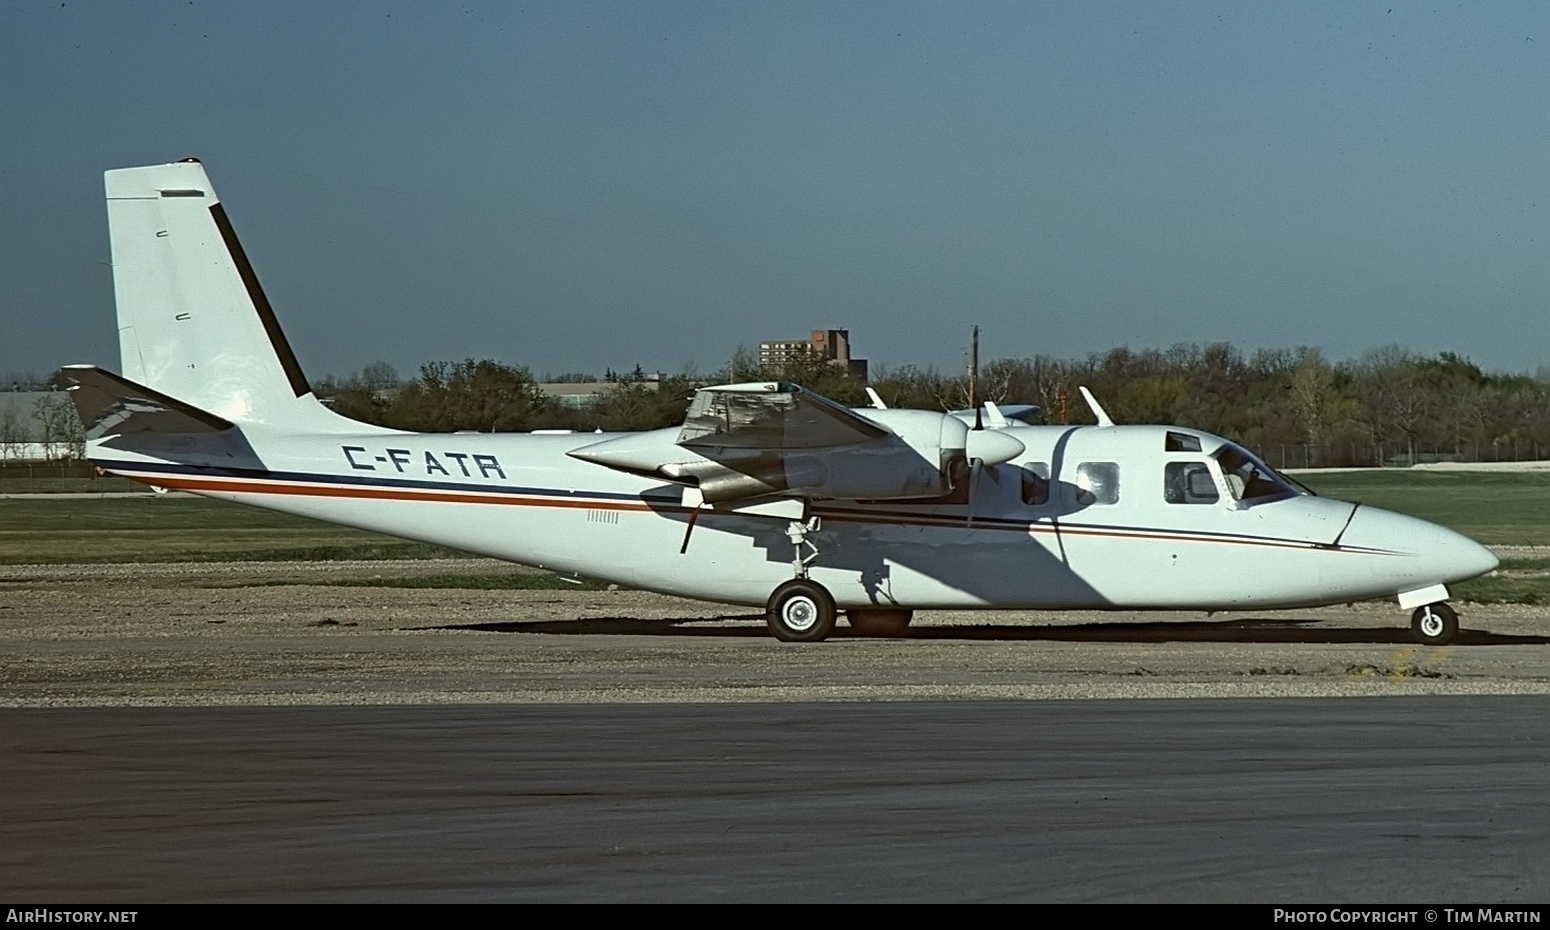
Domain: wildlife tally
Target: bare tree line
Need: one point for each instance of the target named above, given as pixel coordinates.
(50, 427)
(1388, 406)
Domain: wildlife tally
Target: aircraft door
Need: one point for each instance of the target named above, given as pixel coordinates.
(1029, 504)
(994, 493)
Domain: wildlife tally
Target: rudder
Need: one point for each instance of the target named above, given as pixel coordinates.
(193, 321)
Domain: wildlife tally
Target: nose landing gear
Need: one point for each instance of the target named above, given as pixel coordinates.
(1434, 624)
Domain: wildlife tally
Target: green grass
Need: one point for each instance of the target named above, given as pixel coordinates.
(1493, 589)
(1515, 581)
(1526, 566)
(181, 529)
(496, 581)
(1495, 508)
(60, 478)
(49, 484)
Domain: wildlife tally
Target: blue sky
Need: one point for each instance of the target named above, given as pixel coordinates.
(576, 186)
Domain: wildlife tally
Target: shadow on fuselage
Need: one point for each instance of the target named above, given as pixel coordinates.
(1246, 630)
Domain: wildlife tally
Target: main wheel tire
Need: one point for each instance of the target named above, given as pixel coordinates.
(801, 611)
(879, 621)
(1434, 624)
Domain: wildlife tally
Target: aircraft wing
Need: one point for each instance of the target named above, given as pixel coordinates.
(112, 405)
(771, 416)
(743, 441)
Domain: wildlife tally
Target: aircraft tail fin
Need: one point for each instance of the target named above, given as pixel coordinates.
(194, 326)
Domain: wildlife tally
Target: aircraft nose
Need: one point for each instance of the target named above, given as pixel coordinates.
(1442, 555)
(1474, 558)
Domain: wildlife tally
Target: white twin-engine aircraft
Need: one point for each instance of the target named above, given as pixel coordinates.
(768, 495)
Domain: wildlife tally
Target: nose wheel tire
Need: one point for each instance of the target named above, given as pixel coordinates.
(1434, 624)
(879, 621)
(801, 611)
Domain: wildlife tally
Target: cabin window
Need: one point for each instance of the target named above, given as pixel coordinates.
(1189, 483)
(1035, 483)
(1097, 483)
(1181, 442)
(1248, 478)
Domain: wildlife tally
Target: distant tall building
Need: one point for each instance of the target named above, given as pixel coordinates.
(831, 345)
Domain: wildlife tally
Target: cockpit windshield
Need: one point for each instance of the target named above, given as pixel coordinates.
(1248, 478)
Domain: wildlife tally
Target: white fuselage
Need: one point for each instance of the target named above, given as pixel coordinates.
(1108, 529)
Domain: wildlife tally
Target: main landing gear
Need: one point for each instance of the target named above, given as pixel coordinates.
(802, 610)
(1434, 624)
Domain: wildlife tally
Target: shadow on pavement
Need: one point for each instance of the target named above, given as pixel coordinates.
(1240, 630)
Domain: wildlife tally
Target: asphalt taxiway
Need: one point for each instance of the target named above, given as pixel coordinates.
(262, 733)
(1399, 800)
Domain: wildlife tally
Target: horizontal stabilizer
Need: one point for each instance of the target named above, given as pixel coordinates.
(112, 405)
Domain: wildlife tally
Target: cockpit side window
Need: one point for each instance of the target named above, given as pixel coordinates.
(1035, 483)
(1189, 483)
(1097, 483)
(1249, 479)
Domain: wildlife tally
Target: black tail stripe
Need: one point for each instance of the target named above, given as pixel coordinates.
(282, 348)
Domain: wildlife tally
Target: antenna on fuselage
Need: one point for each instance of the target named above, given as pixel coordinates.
(1097, 408)
(974, 377)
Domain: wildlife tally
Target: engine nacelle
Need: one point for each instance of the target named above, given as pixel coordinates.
(882, 468)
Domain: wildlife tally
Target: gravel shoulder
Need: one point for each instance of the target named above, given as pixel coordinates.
(287, 633)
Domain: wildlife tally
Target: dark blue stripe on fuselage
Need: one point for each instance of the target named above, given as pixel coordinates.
(260, 474)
